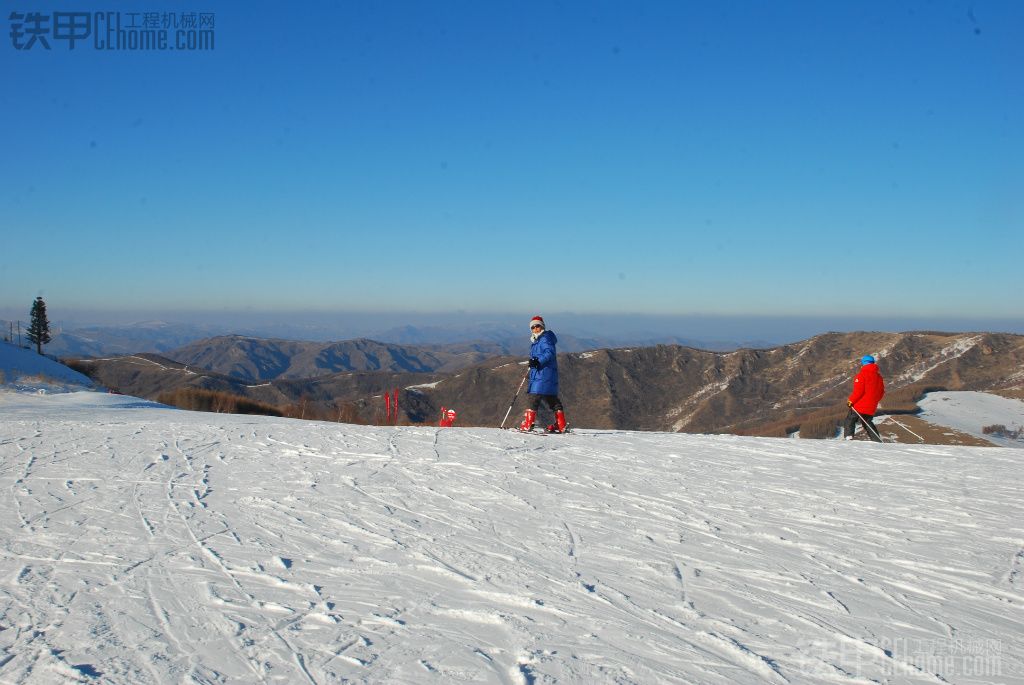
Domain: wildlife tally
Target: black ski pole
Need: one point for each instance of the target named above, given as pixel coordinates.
(867, 426)
(514, 398)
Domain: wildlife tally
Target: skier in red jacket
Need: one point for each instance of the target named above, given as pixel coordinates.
(868, 390)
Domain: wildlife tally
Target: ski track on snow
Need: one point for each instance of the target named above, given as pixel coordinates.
(148, 545)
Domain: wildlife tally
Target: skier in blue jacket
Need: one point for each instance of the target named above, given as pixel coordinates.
(543, 377)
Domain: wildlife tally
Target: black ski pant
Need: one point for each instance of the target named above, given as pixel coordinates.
(533, 401)
(850, 423)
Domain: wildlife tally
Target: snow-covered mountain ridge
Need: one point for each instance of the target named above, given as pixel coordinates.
(141, 544)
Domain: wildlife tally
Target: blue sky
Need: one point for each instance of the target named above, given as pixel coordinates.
(859, 159)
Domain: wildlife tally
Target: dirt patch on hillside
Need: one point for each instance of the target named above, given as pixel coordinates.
(1009, 393)
(911, 430)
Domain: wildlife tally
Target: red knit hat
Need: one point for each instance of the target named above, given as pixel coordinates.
(535, 321)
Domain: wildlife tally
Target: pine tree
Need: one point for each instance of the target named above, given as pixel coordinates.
(39, 325)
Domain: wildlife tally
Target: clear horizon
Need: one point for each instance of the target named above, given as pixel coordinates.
(840, 161)
(344, 325)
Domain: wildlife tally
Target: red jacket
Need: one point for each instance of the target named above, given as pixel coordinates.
(868, 389)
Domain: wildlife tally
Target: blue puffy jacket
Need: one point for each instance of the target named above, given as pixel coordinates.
(544, 380)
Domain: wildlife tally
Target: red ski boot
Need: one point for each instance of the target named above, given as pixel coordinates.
(528, 418)
(559, 425)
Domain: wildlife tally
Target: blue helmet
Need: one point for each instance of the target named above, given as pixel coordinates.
(867, 359)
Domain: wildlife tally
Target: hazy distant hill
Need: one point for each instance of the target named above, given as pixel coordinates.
(259, 359)
(518, 341)
(493, 338)
(148, 336)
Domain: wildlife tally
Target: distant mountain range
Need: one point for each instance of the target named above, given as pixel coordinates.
(259, 359)
(162, 336)
(145, 336)
(661, 388)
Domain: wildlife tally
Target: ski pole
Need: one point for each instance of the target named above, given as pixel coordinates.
(866, 424)
(514, 398)
(904, 427)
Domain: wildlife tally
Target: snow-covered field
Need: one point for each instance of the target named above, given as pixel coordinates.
(141, 544)
(969, 412)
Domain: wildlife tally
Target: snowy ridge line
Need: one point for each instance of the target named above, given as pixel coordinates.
(887, 350)
(134, 359)
(826, 386)
(423, 385)
(804, 349)
(945, 355)
(709, 390)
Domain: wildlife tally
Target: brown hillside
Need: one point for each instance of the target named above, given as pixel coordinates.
(771, 392)
(677, 388)
(150, 376)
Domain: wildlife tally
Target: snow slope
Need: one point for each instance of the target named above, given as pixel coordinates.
(142, 544)
(969, 412)
(24, 369)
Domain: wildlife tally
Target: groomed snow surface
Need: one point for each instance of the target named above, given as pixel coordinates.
(141, 544)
